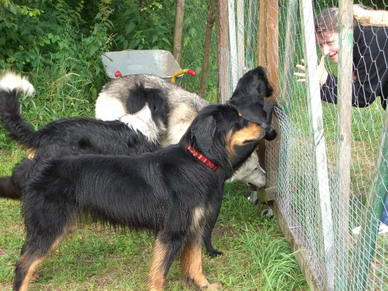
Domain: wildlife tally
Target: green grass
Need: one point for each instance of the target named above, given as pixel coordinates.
(95, 257)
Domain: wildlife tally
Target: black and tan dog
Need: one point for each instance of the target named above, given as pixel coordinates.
(250, 98)
(173, 191)
(147, 123)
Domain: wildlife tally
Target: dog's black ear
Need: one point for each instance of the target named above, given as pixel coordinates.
(269, 105)
(203, 133)
(136, 99)
(252, 111)
(249, 95)
(265, 88)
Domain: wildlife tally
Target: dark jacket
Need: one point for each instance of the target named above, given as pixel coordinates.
(370, 64)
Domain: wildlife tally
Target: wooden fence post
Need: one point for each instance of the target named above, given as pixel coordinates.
(180, 10)
(345, 72)
(212, 8)
(223, 52)
(232, 44)
(240, 38)
(267, 56)
(273, 44)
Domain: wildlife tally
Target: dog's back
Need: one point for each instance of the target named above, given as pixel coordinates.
(135, 192)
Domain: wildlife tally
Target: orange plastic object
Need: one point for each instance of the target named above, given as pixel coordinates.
(181, 72)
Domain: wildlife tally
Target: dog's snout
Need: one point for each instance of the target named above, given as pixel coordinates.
(270, 134)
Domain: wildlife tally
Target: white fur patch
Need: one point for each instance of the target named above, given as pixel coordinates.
(142, 121)
(11, 81)
(109, 108)
(250, 172)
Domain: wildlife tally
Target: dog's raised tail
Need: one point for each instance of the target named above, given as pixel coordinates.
(11, 85)
(11, 81)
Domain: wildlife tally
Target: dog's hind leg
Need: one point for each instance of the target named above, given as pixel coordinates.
(8, 189)
(33, 253)
(45, 229)
(24, 270)
(191, 264)
(165, 250)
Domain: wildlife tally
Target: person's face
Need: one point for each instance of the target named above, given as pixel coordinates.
(329, 44)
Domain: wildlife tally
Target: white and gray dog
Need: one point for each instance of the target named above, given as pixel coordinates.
(114, 103)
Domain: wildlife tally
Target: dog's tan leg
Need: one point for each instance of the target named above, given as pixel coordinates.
(156, 276)
(29, 264)
(191, 264)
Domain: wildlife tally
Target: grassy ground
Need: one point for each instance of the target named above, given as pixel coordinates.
(94, 257)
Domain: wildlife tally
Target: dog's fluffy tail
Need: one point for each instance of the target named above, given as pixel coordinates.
(11, 85)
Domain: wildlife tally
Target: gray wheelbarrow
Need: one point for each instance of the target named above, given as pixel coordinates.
(157, 62)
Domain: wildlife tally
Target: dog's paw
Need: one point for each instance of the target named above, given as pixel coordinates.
(214, 253)
(213, 286)
(267, 212)
(253, 198)
(34, 277)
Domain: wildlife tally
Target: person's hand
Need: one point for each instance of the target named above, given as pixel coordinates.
(321, 71)
(301, 74)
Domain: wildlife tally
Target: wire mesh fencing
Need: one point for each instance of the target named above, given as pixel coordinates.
(333, 225)
(340, 244)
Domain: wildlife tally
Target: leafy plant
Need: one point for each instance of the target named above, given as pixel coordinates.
(143, 24)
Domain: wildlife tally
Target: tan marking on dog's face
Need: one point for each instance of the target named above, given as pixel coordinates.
(156, 276)
(238, 138)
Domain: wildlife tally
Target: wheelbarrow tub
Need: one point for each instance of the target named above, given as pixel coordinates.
(157, 62)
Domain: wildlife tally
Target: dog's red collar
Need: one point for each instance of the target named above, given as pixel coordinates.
(202, 158)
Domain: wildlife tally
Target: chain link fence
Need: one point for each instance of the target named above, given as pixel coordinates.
(340, 244)
(333, 225)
